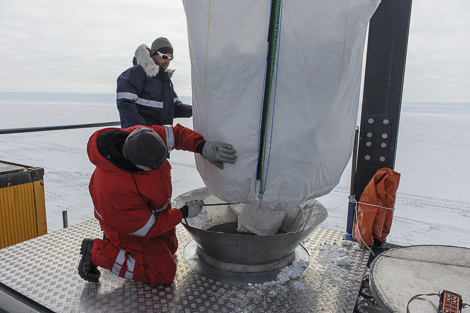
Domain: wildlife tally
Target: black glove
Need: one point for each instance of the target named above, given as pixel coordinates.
(188, 111)
(182, 110)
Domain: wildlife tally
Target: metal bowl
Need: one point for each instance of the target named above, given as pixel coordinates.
(244, 252)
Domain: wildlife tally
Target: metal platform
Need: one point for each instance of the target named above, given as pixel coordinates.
(44, 269)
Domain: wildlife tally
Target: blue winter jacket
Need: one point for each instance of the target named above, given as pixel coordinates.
(145, 94)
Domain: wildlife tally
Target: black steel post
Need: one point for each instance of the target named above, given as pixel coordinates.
(381, 103)
(383, 87)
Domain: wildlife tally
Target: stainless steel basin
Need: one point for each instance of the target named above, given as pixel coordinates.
(242, 252)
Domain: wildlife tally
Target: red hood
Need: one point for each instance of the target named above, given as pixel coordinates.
(94, 155)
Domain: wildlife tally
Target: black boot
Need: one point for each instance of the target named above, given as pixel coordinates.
(86, 269)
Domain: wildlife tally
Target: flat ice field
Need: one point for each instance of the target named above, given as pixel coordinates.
(433, 199)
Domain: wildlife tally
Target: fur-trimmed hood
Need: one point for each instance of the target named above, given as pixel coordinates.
(142, 58)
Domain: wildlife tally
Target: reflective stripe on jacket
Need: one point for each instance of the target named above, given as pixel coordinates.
(145, 94)
(130, 203)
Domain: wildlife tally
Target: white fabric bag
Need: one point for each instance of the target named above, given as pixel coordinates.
(314, 104)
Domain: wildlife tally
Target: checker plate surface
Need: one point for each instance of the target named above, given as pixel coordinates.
(45, 270)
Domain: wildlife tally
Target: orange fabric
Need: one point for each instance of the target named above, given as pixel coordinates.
(375, 222)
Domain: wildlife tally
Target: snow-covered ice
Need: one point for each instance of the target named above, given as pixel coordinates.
(432, 205)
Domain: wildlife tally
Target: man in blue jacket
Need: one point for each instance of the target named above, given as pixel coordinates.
(145, 94)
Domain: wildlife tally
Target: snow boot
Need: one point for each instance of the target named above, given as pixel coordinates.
(87, 269)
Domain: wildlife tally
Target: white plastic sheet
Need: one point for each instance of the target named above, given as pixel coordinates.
(314, 104)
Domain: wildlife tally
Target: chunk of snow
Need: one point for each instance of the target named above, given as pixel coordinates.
(343, 261)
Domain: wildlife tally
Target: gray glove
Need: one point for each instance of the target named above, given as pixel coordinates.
(194, 208)
(218, 153)
(191, 209)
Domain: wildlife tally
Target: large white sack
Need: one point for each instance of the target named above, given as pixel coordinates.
(314, 102)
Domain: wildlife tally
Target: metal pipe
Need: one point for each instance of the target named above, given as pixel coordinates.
(351, 206)
(46, 128)
(65, 220)
(217, 204)
(354, 162)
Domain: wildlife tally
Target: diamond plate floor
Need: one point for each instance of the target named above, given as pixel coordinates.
(44, 269)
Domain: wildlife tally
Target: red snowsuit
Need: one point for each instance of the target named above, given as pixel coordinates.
(134, 206)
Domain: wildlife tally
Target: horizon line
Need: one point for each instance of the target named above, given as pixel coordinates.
(102, 94)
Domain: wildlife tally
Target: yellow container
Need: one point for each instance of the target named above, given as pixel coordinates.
(22, 203)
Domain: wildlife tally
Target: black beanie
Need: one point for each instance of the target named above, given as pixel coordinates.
(145, 147)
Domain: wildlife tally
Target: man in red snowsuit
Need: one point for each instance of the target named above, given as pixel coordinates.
(131, 192)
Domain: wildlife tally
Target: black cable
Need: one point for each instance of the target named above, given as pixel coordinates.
(138, 191)
(429, 294)
(417, 296)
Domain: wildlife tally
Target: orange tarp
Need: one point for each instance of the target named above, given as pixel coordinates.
(373, 221)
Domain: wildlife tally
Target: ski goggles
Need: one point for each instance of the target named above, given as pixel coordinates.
(164, 56)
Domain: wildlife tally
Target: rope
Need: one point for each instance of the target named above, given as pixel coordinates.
(359, 231)
(352, 199)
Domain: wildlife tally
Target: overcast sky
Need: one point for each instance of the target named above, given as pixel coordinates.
(82, 46)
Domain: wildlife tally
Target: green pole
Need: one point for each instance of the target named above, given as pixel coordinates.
(273, 34)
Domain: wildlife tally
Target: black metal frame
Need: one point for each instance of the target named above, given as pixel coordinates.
(383, 88)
